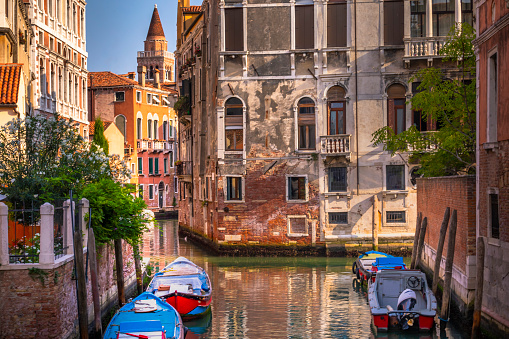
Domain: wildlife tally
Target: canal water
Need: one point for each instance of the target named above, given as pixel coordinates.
(274, 297)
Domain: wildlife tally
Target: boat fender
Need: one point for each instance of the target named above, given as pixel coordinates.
(389, 308)
(354, 267)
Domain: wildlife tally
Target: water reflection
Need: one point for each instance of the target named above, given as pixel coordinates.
(273, 297)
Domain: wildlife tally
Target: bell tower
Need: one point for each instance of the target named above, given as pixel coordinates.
(155, 55)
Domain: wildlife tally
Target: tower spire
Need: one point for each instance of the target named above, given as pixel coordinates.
(155, 30)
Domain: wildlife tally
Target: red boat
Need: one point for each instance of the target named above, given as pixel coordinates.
(185, 286)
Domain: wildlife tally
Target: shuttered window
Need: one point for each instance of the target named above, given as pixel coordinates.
(396, 108)
(233, 29)
(336, 25)
(304, 27)
(393, 22)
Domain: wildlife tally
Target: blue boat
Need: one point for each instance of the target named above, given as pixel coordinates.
(146, 317)
(362, 267)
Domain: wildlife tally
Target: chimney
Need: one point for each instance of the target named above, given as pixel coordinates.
(142, 70)
(157, 83)
(131, 75)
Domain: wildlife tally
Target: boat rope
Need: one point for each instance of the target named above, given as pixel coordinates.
(141, 336)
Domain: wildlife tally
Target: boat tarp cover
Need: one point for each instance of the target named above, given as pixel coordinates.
(391, 261)
(145, 326)
(374, 255)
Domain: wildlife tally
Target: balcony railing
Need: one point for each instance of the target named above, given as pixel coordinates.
(168, 146)
(426, 144)
(148, 54)
(184, 168)
(424, 47)
(157, 146)
(335, 144)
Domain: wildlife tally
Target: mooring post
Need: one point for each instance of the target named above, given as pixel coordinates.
(80, 284)
(440, 249)
(119, 262)
(94, 282)
(420, 246)
(137, 266)
(416, 239)
(4, 234)
(446, 296)
(479, 282)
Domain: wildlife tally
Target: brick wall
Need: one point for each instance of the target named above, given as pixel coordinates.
(434, 195)
(30, 308)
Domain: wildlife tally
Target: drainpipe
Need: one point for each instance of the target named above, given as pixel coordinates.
(356, 94)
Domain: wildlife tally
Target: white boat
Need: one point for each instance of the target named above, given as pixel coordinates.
(401, 300)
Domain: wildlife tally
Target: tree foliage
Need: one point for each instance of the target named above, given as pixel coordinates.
(99, 139)
(116, 211)
(448, 102)
(42, 159)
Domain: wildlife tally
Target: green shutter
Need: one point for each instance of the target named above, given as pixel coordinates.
(140, 165)
(150, 166)
(156, 165)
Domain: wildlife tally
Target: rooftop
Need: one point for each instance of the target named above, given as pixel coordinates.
(10, 75)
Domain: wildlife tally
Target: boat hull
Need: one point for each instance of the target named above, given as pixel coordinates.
(189, 307)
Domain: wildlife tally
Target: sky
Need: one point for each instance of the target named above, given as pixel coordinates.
(116, 30)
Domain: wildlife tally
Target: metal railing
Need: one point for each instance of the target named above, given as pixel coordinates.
(184, 168)
(148, 54)
(335, 144)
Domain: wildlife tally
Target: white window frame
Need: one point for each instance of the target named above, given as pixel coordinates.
(142, 189)
(138, 96)
(171, 160)
(492, 98)
(289, 228)
(115, 99)
(155, 98)
(405, 174)
(242, 185)
(491, 240)
(307, 188)
(176, 185)
(390, 224)
(166, 102)
(149, 98)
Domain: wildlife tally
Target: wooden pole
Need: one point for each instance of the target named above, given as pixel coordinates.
(375, 223)
(479, 282)
(446, 296)
(137, 266)
(94, 282)
(80, 284)
(416, 239)
(420, 245)
(440, 249)
(119, 262)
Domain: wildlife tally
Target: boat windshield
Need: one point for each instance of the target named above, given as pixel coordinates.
(185, 284)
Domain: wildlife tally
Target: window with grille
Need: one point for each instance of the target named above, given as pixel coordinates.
(340, 218)
(306, 121)
(395, 175)
(297, 225)
(396, 216)
(297, 188)
(337, 179)
(233, 188)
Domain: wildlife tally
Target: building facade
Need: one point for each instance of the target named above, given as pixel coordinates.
(59, 59)
(143, 112)
(492, 156)
(15, 75)
(282, 152)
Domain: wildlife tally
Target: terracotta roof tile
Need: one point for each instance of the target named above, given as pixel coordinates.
(155, 30)
(191, 9)
(92, 126)
(108, 79)
(9, 83)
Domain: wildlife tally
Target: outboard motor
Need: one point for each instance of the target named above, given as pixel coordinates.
(406, 302)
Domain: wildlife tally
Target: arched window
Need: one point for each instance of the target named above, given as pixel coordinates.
(120, 123)
(306, 120)
(165, 130)
(234, 125)
(396, 108)
(60, 83)
(139, 133)
(42, 85)
(149, 128)
(52, 82)
(156, 125)
(336, 106)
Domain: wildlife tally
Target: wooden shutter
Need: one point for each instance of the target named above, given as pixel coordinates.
(393, 22)
(304, 27)
(234, 29)
(391, 116)
(336, 25)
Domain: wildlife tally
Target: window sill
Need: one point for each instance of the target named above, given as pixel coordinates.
(338, 194)
(306, 151)
(393, 47)
(141, 174)
(296, 201)
(298, 235)
(234, 152)
(396, 224)
(490, 145)
(395, 192)
(234, 201)
(494, 242)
